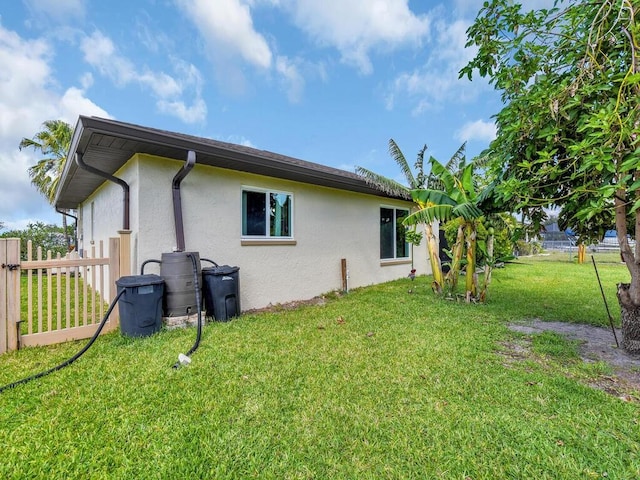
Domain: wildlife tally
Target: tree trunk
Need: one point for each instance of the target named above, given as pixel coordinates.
(632, 293)
(488, 268)
(630, 315)
(471, 279)
(436, 267)
(456, 258)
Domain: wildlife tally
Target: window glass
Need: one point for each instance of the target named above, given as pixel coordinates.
(402, 247)
(260, 220)
(393, 243)
(253, 213)
(280, 222)
(386, 233)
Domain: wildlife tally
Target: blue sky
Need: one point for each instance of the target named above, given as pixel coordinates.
(328, 81)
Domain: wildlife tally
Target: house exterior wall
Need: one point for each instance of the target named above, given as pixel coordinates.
(328, 225)
(100, 217)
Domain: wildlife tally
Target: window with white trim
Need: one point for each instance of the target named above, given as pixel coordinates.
(393, 243)
(266, 213)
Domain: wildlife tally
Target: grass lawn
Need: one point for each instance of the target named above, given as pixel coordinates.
(380, 383)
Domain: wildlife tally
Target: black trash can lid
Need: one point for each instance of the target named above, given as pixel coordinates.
(139, 280)
(220, 270)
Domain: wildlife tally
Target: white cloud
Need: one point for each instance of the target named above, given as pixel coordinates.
(188, 114)
(468, 7)
(478, 130)
(357, 27)
(472, 7)
(25, 75)
(292, 79)
(28, 97)
(74, 103)
(27, 91)
(231, 41)
(236, 139)
(59, 10)
(436, 82)
(154, 41)
(86, 80)
(101, 53)
(227, 28)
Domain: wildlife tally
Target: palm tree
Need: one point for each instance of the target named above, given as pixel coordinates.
(414, 182)
(53, 142)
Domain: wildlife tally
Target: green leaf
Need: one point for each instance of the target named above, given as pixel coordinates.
(428, 196)
(430, 214)
(442, 174)
(631, 162)
(384, 184)
(401, 161)
(468, 211)
(467, 181)
(634, 186)
(635, 207)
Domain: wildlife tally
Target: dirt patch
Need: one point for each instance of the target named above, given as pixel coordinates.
(281, 307)
(595, 344)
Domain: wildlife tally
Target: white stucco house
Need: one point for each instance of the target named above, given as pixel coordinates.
(285, 222)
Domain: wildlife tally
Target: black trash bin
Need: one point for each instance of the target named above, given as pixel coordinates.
(221, 287)
(140, 305)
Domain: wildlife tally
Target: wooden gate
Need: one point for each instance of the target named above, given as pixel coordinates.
(52, 300)
(9, 293)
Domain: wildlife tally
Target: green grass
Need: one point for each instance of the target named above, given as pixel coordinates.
(377, 384)
(555, 345)
(553, 288)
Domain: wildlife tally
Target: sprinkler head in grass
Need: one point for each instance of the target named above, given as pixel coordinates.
(184, 360)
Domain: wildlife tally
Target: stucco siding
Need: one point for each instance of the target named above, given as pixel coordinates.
(328, 225)
(101, 216)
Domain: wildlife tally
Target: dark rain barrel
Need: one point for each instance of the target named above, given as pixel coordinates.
(140, 305)
(176, 268)
(221, 288)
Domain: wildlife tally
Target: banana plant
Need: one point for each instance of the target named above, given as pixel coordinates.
(456, 199)
(416, 181)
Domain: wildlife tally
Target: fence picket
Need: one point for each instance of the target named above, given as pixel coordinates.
(39, 288)
(76, 289)
(93, 283)
(85, 292)
(29, 290)
(101, 254)
(49, 294)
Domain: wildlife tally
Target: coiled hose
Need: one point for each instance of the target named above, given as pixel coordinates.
(199, 304)
(69, 361)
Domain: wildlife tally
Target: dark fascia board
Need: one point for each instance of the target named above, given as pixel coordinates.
(208, 152)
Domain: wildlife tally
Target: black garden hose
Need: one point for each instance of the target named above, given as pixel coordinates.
(196, 281)
(69, 361)
(145, 262)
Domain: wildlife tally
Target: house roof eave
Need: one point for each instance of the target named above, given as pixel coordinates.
(108, 144)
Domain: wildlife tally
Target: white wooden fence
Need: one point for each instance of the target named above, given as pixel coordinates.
(53, 300)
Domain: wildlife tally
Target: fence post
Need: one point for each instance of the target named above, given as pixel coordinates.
(114, 274)
(9, 293)
(125, 252)
(3, 295)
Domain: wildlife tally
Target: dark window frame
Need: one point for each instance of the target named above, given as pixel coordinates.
(393, 244)
(274, 222)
